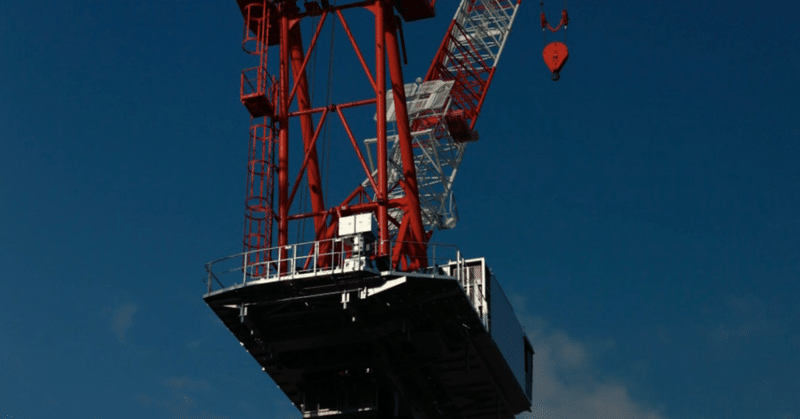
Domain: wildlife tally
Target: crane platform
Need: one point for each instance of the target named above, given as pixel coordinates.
(354, 341)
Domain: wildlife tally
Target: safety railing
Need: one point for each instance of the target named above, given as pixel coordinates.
(283, 262)
(472, 276)
(257, 91)
(255, 81)
(347, 255)
(325, 257)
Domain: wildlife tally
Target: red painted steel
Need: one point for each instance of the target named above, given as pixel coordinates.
(283, 101)
(413, 214)
(361, 159)
(310, 156)
(259, 213)
(555, 56)
(563, 22)
(382, 195)
(307, 127)
(355, 47)
(257, 94)
(283, 130)
(472, 75)
(412, 10)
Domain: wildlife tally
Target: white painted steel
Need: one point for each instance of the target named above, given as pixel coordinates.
(302, 260)
(356, 224)
(485, 25)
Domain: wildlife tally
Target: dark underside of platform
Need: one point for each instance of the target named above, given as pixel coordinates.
(417, 349)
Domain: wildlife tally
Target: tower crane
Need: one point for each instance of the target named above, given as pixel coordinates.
(369, 318)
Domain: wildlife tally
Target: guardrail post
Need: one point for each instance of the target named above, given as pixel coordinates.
(316, 255)
(343, 257)
(244, 269)
(294, 260)
(208, 269)
(458, 267)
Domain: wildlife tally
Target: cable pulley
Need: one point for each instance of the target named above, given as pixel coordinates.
(556, 53)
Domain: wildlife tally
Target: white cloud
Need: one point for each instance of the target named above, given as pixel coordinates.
(179, 406)
(181, 403)
(746, 311)
(122, 319)
(566, 386)
(571, 354)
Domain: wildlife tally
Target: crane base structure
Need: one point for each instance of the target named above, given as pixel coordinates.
(354, 341)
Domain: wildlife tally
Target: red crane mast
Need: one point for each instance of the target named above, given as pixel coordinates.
(275, 101)
(391, 191)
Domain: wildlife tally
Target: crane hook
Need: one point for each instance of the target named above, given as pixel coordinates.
(555, 54)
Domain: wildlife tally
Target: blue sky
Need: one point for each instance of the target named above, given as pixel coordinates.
(642, 212)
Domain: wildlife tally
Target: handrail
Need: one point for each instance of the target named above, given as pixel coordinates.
(343, 255)
(262, 80)
(337, 255)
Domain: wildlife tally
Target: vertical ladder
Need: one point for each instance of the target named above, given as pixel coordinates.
(258, 96)
(256, 86)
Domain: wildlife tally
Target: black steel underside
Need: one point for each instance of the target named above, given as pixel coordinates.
(417, 349)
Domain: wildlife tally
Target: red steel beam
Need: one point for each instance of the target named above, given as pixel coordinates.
(356, 49)
(310, 154)
(307, 127)
(412, 213)
(358, 150)
(379, 9)
(283, 132)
